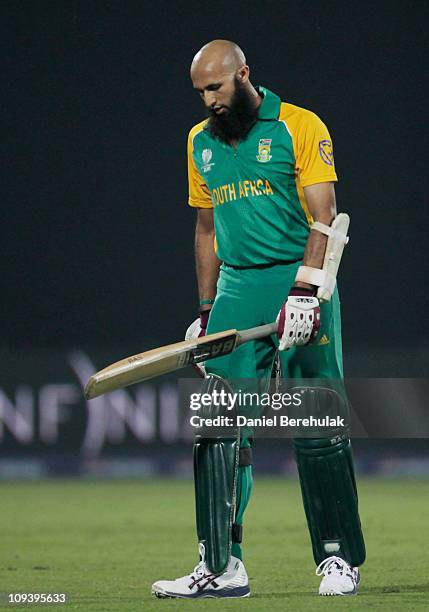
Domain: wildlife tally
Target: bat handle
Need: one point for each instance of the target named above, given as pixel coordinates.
(254, 333)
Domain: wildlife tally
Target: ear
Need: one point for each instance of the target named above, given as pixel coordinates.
(243, 74)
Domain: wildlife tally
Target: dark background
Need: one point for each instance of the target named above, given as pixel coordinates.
(97, 235)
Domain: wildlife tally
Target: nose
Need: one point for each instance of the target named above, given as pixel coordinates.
(210, 99)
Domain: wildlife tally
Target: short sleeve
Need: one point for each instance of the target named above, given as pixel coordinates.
(199, 194)
(314, 155)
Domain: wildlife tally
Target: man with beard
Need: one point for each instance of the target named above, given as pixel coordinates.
(261, 176)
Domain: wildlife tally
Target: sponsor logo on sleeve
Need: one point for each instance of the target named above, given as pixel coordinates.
(326, 153)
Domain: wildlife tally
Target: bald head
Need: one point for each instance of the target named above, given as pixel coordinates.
(217, 70)
(218, 56)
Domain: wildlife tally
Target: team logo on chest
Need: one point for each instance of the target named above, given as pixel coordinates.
(264, 150)
(206, 156)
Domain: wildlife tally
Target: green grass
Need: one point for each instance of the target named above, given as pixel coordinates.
(105, 543)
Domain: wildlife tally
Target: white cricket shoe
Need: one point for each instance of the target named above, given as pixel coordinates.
(339, 578)
(202, 583)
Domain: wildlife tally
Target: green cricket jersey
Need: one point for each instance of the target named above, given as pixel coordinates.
(256, 188)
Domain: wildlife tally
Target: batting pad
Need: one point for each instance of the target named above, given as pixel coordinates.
(215, 472)
(330, 498)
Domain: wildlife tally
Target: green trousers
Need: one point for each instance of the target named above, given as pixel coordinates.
(246, 298)
(250, 297)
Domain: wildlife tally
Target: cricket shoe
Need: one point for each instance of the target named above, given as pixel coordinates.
(339, 578)
(202, 583)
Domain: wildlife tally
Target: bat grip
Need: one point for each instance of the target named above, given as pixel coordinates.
(254, 333)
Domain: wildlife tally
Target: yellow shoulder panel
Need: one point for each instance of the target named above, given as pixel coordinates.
(196, 129)
(312, 145)
(199, 194)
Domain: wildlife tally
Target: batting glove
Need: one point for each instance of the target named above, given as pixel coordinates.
(197, 329)
(299, 319)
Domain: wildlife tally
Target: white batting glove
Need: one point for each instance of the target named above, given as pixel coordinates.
(194, 330)
(298, 320)
(197, 329)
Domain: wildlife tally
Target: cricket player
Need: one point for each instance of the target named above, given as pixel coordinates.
(261, 178)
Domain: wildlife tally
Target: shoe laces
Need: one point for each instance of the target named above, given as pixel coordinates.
(333, 565)
(199, 571)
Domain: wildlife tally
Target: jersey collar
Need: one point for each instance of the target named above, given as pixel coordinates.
(270, 105)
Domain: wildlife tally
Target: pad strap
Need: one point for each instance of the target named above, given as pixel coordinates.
(315, 276)
(245, 457)
(329, 231)
(237, 533)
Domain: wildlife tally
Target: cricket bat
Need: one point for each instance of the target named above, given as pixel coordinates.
(171, 357)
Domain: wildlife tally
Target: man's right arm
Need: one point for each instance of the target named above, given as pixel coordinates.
(207, 262)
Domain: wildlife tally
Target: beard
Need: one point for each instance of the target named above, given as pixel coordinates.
(237, 120)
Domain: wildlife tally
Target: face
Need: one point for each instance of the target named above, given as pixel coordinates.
(229, 105)
(216, 89)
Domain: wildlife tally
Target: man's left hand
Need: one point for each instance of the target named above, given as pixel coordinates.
(197, 329)
(298, 319)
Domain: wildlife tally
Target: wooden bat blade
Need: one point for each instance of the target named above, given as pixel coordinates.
(162, 360)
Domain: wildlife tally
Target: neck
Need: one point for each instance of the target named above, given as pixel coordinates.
(256, 97)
